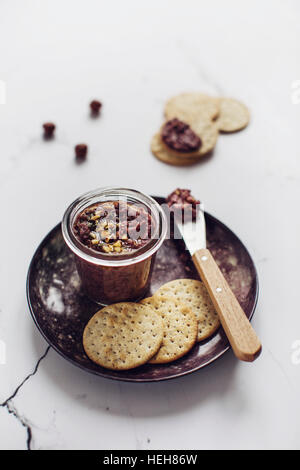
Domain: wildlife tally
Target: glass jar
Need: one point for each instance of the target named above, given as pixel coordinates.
(108, 278)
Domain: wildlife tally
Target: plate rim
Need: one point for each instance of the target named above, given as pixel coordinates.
(124, 379)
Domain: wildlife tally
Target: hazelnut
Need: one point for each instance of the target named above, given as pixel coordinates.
(95, 107)
(81, 152)
(49, 129)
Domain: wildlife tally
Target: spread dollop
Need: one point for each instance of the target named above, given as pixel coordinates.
(183, 204)
(178, 135)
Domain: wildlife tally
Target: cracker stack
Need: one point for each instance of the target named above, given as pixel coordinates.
(158, 330)
(207, 116)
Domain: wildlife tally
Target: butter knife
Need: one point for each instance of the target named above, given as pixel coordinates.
(241, 335)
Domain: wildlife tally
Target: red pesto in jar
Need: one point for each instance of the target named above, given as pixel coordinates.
(114, 227)
(115, 230)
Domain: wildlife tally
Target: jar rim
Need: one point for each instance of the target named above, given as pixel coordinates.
(134, 196)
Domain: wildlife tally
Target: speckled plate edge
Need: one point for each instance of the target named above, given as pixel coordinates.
(138, 380)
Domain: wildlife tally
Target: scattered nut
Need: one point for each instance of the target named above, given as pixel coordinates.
(95, 217)
(49, 129)
(107, 248)
(81, 152)
(95, 107)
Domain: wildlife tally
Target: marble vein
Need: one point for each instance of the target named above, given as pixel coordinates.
(9, 405)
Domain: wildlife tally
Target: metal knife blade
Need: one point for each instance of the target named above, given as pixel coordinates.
(194, 232)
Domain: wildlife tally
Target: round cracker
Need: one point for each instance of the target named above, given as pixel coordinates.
(180, 328)
(123, 336)
(190, 107)
(208, 133)
(234, 115)
(159, 151)
(195, 295)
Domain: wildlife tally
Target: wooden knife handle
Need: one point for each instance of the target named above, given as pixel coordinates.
(238, 329)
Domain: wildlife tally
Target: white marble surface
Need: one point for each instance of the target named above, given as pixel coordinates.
(55, 57)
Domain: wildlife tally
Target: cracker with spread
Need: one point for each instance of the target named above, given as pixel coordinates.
(193, 123)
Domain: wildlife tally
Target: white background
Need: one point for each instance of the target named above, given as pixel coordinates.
(55, 56)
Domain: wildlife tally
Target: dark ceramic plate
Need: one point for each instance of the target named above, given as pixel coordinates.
(60, 310)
